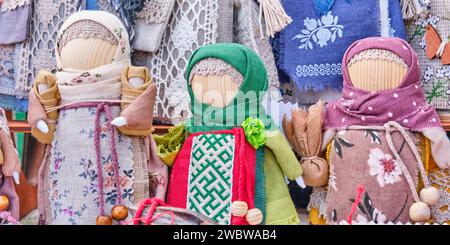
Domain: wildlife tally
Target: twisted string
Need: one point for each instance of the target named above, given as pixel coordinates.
(103, 106)
(153, 203)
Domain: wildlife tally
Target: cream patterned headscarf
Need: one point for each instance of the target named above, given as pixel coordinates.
(99, 25)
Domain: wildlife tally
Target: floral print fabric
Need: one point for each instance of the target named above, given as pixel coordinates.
(362, 158)
(72, 173)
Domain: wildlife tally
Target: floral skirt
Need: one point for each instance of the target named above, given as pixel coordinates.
(68, 183)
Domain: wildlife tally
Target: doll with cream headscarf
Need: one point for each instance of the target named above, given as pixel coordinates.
(95, 114)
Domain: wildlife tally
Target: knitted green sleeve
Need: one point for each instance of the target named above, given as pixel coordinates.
(283, 153)
(168, 145)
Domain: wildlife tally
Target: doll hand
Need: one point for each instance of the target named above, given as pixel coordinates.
(119, 121)
(300, 182)
(42, 126)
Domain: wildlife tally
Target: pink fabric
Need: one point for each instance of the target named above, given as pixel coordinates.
(244, 169)
(405, 104)
(11, 158)
(7, 188)
(139, 113)
(36, 111)
(155, 164)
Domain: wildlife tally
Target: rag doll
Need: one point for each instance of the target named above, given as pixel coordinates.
(95, 114)
(228, 161)
(9, 170)
(382, 139)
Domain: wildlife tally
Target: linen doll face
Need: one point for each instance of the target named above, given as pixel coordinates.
(376, 69)
(83, 49)
(214, 82)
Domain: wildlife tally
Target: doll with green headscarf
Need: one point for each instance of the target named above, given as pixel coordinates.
(229, 161)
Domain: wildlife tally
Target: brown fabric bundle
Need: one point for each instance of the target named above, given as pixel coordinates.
(137, 103)
(39, 102)
(304, 132)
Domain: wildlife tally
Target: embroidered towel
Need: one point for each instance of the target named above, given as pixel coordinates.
(435, 76)
(314, 44)
(311, 47)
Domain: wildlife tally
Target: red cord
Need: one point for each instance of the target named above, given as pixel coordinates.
(154, 203)
(360, 190)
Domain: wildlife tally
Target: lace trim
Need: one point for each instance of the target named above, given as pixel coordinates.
(86, 29)
(378, 54)
(315, 70)
(168, 64)
(156, 11)
(318, 200)
(441, 178)
(8, 5)
(6, 59)
(217, 67)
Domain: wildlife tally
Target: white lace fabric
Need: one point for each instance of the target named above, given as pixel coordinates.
(441, 211)
(87, 29)
(9, 5)
(193, 24)
(378, 54)
(248, 33)
(38, 52)
(6, 58)
(318, 200)
(216, 67)
(155, 11)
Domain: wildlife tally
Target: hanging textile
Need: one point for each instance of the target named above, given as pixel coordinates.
(38, 52)
(426, 34)
(309, 51)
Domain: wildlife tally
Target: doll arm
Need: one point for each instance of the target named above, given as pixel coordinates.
(440, 146)
(159, 171)
(11, 163)
(44, 94)
(168, 145)
(284, 155)
(138, 101)
(327, 137)
(9, 201)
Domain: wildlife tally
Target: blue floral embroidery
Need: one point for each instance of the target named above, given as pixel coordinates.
(319, 31)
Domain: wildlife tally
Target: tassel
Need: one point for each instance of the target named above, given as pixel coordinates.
(274, 15)
(412, 8)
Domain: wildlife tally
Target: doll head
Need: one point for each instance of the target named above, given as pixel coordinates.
(214, 82)
(90, 39)
(376, 69)
(226, 83)
(381, 84)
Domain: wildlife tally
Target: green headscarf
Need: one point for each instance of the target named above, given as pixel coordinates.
(247, 102)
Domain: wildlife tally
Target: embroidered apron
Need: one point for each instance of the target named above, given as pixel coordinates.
(71, 175)
(212, 170)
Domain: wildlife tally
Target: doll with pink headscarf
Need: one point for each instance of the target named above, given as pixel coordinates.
(384, 142)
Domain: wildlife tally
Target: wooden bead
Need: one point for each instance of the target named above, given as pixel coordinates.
(239, 208)
(119, 212)
(103, 220)
(419, 212)
(254, 216)
(430, 195)
(4, 203)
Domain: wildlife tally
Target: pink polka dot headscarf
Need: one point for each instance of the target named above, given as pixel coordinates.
(405, 104)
